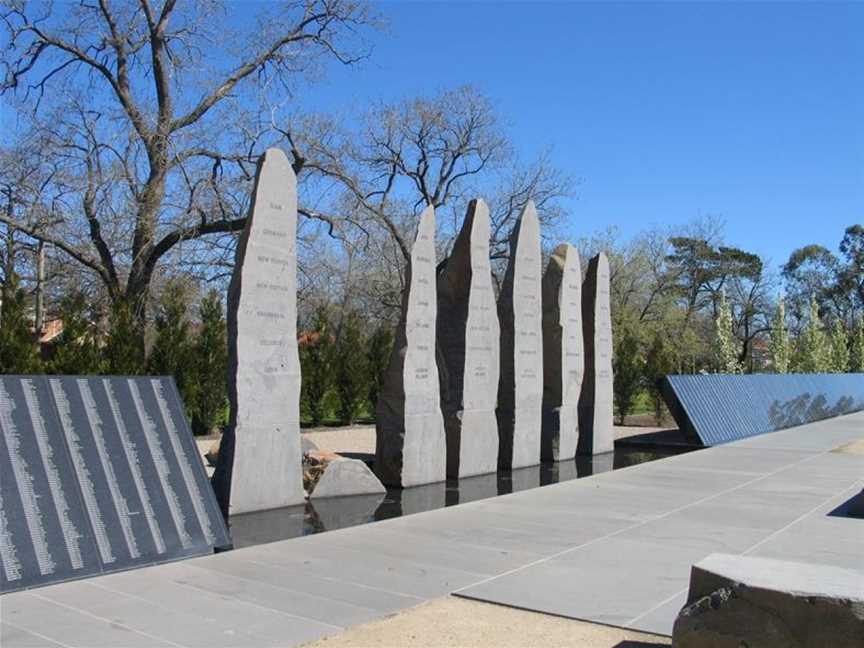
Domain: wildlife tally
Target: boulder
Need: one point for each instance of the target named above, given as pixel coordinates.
(346, 477)
(307, 445)
(314, 464)
(739, 601)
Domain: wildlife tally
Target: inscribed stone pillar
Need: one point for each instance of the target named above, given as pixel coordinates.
(520, 390)
(259, 463)
(563, 360)
(595, 401)
(410, 443)
(468, 339)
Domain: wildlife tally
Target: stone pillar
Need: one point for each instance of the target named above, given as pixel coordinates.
(410, 443)
(468, 349)
(259, 464)
(520, 390)
(595, 401)
(563, 358)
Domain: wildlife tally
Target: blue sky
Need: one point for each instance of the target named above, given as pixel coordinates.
(750, 112)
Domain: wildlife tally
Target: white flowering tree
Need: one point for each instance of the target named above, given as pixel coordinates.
(726, 347)
(856, 354)
(781, 352)
(839, 348)
(814, 345)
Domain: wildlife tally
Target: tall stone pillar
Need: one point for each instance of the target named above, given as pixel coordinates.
(596, 435)
(411, 447)
(520, 389)
(468, 348)
(259, 464)
(563, 357)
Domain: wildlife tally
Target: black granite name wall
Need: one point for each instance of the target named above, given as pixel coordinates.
(98, 474)
(718, 408)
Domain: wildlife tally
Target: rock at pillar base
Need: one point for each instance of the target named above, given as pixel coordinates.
(520, 389)
(347, 477)
(259, 463)
(596, 434)
(468, 341)
(563, 358)
(410, 441)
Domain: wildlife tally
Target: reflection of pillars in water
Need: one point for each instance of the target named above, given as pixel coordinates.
(417, 499)
(513, 481)
(267, 526)
(340, 512)
(560, 471)
(470, 489)
(587, 466)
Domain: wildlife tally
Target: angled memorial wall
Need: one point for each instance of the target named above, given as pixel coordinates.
(259, 464)
(468, 340)
(520, 389)
(98, 474)
(410, 441)
(719, 408)
(563, 358)
(596, 435)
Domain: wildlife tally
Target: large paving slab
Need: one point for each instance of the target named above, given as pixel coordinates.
(768, 496)
(615, 548)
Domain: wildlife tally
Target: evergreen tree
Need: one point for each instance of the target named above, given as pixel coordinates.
(378, 357)
(316, 363)
(856, 355)
(727, 354)
(171, 354)
(814, 348)
(659, 362)
(351, 370)
(17, 352)
(210, 356)
(76, 351)
(839, 348)
(781, 352)
(124, 348)
(627, 369)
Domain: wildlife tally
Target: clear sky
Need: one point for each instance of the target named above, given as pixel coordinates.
(665, 112)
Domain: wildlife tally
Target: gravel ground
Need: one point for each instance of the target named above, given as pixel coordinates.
(357, 438)
(361, 438)
(452, 622)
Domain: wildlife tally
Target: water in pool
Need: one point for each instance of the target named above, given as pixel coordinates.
(340, 512)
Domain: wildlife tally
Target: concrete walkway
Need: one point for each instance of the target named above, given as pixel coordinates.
(615, 548)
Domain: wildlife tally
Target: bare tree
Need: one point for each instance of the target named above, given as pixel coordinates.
(28, 190)
(441, 151)
(145, 125)
(437, 151)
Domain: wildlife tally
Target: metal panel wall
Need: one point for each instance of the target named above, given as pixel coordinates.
(98, 474)
(717, 408)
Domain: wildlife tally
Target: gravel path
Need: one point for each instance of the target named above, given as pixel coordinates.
(453, 622)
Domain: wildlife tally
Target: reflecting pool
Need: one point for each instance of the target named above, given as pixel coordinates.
(339, 512)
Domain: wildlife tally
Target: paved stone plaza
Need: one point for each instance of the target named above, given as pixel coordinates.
(615, 549)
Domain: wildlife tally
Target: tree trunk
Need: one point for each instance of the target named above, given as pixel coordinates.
(39, 316)
(141, 272)
(8, 263)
